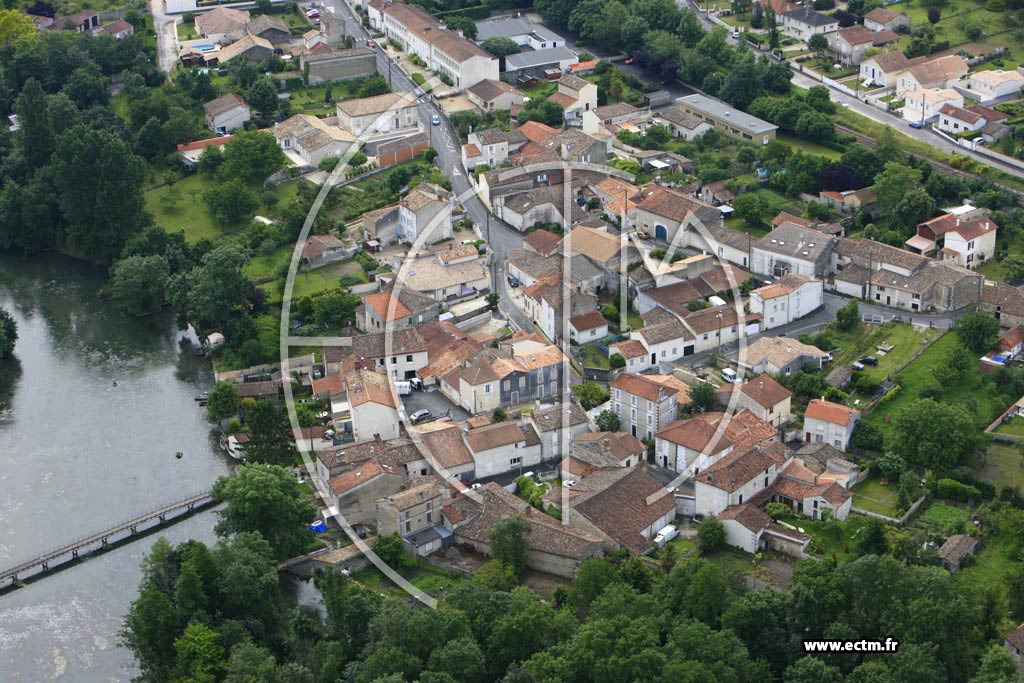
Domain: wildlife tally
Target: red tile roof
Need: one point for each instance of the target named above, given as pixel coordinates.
(820, 409)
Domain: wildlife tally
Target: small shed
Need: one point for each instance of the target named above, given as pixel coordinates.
(956, 548)
(658, 98)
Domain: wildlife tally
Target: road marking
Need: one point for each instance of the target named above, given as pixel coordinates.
(455, 170)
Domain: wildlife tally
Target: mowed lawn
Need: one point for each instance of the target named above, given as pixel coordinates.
(1001, 465)
(189, 212)
(918, 377)
(870, 495)
(906, 339)
(806, 146)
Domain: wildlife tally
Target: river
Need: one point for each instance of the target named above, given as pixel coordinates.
(92, 413)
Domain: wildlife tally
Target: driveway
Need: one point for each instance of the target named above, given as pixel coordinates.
(434, 401)
(166, 28)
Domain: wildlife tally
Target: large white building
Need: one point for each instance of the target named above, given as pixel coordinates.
(790, 298)
(443, 50)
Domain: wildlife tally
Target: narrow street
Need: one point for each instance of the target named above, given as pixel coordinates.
(165, 27)
(499, 236)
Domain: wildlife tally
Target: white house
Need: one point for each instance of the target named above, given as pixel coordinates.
(386, 114)
(737, 477)
(804, 22)
(828, 422)
(460, 60)
(957, 120)
(924, 105)
(884, 69)
(226, 113)
(525, 33)
(575, 95)
(970, 243)
(788, 299)
(311, 139)
(427, 207)
(588, 327)
(881, 19)
(503, 447)
(993, 86)
(938, 73)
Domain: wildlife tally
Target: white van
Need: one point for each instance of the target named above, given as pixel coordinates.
(665, 535)
(403, 388)
(730, 376)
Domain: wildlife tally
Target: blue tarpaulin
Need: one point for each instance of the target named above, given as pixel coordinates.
(318, 527)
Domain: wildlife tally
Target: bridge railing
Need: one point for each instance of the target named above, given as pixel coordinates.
(124, 524)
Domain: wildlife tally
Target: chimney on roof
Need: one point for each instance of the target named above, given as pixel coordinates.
(711, 477)
(958, 221)
(986, 226)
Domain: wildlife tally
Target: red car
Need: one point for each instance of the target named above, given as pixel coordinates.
(630, 60)
(370, 43)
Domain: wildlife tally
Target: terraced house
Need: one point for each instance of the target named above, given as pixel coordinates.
(443, 50)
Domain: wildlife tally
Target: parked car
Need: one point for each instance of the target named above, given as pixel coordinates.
(361, 530)
(916, 124)
(513, 281)
(629, 60)
(869, 360)
(569, 483)
(435, 120)
(420, 416)
(857, 365)
(643, 235)
(665, 535)
(370, 43)
(730, 376)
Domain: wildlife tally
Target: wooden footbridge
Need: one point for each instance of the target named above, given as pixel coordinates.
(102, 540)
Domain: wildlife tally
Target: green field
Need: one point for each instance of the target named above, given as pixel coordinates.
(870, 495)
(796, 142)
(1001, 465)
(834, 537)
(593, 358)
(906, 340)
(991, 568)
(917, 377)
(945, 517)
(1013, 426)
(189, 212)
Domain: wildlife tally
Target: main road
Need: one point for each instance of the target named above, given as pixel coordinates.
(500, 236)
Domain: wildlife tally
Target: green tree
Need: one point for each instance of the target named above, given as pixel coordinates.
(335, 308)
(231, 201)
(267, 500)
(15, 25)
(751, 207)
(818, 44)
(492, 300)
(702, 397)
(223, 401)
(8, 333)
(977, 330)
(87, 86)
(271, 440)
(215, 290)
(914, 207)
(499, 415)
(711, 534)
(464, 24)
(391, 549)
(251, 156)
(848, 316)
(500, 46)
(809, 669)
(508, 542)
(262, 95)
(496, 576)
(592, 578)
(872, 540)
(250, 663)
(543, 111)
(139, 283)
(997, 666)
(892, 184)
(891, 466)
(608, 421)
(932, 435)
(589, 394)
(200, 656)
(98, 183)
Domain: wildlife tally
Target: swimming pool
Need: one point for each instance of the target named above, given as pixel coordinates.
(204, 48)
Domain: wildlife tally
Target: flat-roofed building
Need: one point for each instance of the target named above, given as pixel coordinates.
(730, 122)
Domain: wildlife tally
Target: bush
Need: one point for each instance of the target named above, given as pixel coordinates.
(616, 361)
(328, 164)
(778, 511)
(711, 534)
(391, 549)
(951, 489)
(358, 159)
